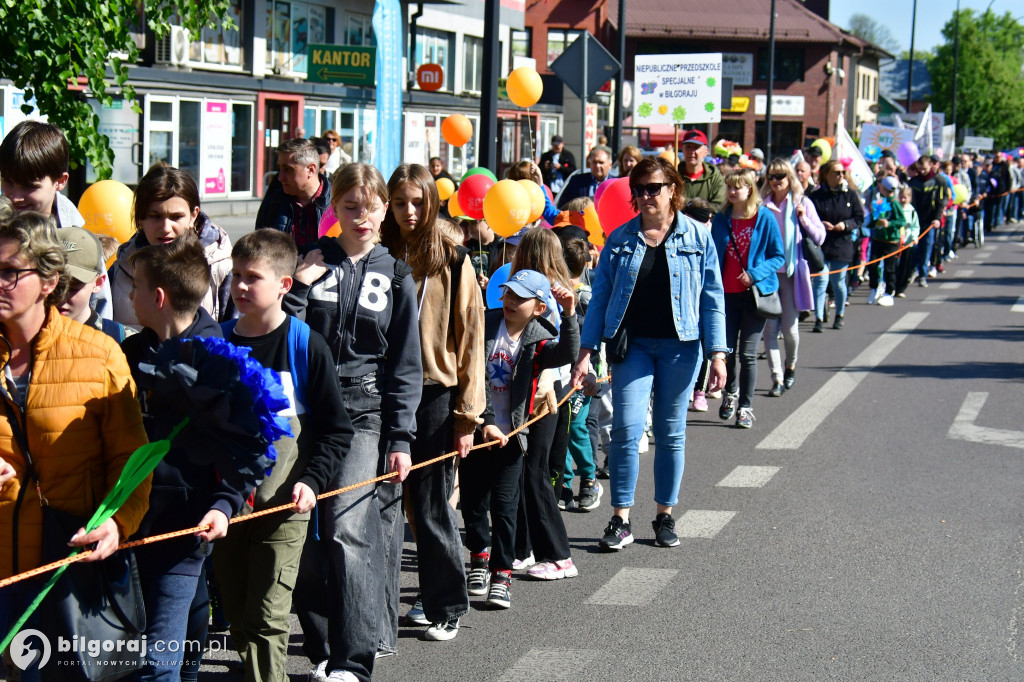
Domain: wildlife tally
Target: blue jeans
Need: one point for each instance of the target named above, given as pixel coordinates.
(339, 595)
(924, 254)
(581, 452)
(167, 598)
(668, 367)
(820, 285)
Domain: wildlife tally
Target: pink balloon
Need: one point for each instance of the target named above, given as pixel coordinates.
(600, 190)
(328, 221)
(616, 206)
(547, 190)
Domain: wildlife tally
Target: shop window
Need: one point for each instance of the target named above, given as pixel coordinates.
(435, 47)
(558, 40)
(241, 147)
(472, 64)
(189, 125)
(789, 64)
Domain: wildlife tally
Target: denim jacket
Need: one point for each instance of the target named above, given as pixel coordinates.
(765, 256)
(698, 301)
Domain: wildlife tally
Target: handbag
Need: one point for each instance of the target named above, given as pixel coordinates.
(768, 306)
(98, 605)
(617, 346)
(813, 255)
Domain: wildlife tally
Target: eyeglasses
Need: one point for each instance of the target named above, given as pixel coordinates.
(9, 277)
(652, 189)
(333, 139)
(777, 177)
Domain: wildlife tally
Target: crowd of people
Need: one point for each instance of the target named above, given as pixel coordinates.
(392, 357)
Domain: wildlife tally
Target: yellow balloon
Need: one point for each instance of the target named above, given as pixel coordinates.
(454, 210)
(668, 156)
(825, 147)
(536, 199)
(507, 207)
(445, 188)
(960, 194)
(524, 87)
(107, 209)
(593, 223)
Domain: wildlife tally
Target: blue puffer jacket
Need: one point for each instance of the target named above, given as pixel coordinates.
(766, 255)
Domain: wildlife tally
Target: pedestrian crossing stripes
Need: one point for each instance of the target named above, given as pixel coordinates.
(748, 477)
(935, 299)
(950, 285)
(633, 586)
(1018, 307)
(701, 523)
(965, 273)
(975, 262)
(550, 664)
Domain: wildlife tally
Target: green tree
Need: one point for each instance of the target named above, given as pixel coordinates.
(866, 28)
(989, 81)
(54, 48)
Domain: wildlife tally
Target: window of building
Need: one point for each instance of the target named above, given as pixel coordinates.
(218, 45)
(472, 64)
(522, 43)
(435, 47)
(558, 40)
(358, 29)
(789, 64)
(291, 27)
(241, 147)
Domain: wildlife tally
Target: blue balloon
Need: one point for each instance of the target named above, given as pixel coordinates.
(494, 291)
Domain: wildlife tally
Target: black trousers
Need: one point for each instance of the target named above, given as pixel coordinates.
(880, 249)
(490, 481)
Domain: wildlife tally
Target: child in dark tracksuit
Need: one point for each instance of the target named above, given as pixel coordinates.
(519, 344)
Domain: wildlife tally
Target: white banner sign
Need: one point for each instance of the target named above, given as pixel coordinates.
(982, 144)
(677, 89)
(782, 105)
(884, 137)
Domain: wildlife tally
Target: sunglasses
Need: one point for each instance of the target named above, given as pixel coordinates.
(652, 189)
(777, 177)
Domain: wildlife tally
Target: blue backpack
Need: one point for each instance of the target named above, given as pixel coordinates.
(298, 352)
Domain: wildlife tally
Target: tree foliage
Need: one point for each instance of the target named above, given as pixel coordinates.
(59, 50)
(866, 28)
(990, 82)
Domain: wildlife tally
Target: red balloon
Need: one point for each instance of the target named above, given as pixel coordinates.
(471, 195)
(616, 207)
(547, 190)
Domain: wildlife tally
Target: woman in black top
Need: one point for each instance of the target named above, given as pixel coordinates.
(838, 205)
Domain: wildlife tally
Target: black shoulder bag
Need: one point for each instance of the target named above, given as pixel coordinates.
(769, 307)
(98, 601)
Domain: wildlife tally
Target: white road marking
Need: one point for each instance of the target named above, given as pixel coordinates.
(748, 477)
(965, 273)
(557, 665)
(983, 255)
(1018, 307)
(964, 428)
(633, 586)
(701, 523)
(801, 422)
(950, 285)
(975, 262)
(934, 299)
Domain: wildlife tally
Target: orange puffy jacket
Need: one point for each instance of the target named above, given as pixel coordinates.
(82, 422)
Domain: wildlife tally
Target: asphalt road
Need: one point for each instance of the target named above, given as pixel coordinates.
(880, 536)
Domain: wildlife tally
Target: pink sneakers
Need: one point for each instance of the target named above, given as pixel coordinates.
(553, 570)
(700, 402)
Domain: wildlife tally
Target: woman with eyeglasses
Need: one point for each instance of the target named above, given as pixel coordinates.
(750, 253)
(841, 212)
(70, 419)
(338, 157)
(797, 220)
(657, 299)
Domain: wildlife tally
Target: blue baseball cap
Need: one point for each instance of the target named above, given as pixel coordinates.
(529, 284)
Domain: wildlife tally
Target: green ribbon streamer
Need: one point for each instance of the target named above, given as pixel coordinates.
(136, 469)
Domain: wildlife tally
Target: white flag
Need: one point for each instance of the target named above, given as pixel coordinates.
(898, 122)
(845, 149)
(923, 134)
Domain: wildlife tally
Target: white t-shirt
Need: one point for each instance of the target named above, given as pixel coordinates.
(500, 364)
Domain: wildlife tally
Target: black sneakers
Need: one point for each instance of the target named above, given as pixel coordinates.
(789, 378)
(479, 575)
(728, 409)
(499, 595)
(617, 535)
(590, 494)
(665, 530)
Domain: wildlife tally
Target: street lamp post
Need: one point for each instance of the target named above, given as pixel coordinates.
(956, 55)
(771, 84)
(910, 71)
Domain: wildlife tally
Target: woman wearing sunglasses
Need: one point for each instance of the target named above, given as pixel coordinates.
(658, 284)
(797, 220)
(841, 212)
(339, 157)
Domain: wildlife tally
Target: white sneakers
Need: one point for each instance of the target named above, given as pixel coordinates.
(885, 300)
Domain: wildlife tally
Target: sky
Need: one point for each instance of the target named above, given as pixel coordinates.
(931, 16)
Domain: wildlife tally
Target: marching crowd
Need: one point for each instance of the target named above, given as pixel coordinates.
(390, 357)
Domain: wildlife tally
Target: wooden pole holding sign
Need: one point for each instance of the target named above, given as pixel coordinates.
(675, 149)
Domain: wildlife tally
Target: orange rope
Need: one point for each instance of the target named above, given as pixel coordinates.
(265, 512)
(870, 262)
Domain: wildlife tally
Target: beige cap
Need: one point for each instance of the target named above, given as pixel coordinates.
(83, 252)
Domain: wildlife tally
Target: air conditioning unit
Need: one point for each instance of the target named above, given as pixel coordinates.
(174, 48)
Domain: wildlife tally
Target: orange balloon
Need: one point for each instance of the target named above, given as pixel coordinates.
(445, 188)
(524, 87)
(456, 130)
(536, 199)
(107, 209)
(593, 223)
(668, 156)
(507, 207)
(454, 210)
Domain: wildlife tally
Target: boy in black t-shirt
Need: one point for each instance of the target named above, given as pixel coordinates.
(260, 558)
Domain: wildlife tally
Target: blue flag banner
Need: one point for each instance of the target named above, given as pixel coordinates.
(387, 27)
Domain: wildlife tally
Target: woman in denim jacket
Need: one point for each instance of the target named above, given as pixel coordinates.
(669, 262)
(750, 251)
